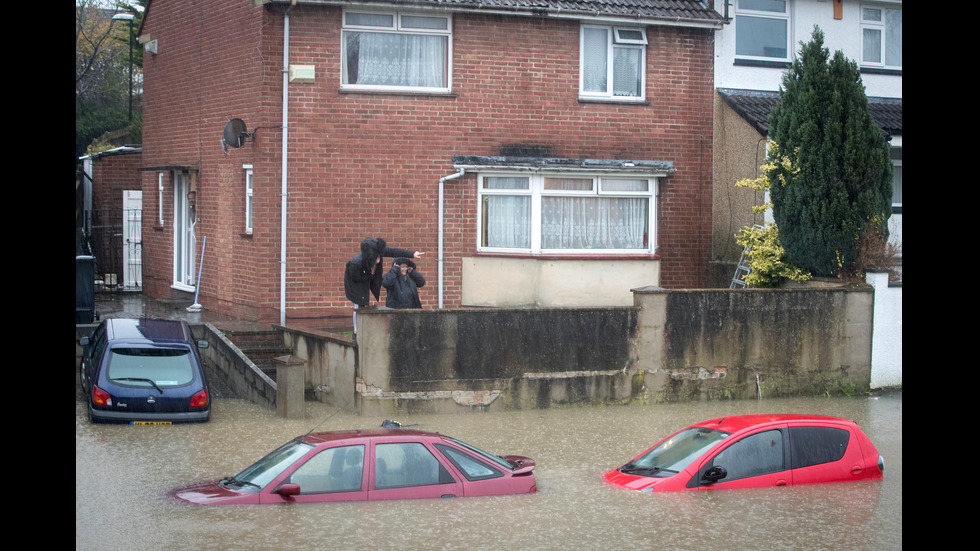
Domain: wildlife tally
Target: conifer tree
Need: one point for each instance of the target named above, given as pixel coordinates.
(842, 187)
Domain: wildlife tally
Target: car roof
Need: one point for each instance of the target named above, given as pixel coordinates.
(147, 329)
(331, 436)
(735, 423)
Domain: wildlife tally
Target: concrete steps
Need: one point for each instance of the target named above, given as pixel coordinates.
(260, 346)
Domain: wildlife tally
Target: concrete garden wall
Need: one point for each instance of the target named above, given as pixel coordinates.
(669, 346)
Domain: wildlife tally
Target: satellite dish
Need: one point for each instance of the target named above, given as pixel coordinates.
(235, 133)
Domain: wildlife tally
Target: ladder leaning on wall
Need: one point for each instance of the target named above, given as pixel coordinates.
(743, 269)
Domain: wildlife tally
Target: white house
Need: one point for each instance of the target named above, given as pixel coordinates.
(751, 54)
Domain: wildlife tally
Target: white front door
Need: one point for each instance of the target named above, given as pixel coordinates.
(184, 241)
(132, 240)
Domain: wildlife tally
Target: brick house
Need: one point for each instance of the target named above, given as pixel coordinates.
(540, 153)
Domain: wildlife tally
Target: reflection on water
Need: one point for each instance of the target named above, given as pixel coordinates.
(123, 473)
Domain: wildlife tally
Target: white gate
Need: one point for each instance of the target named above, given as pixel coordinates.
(132, 240)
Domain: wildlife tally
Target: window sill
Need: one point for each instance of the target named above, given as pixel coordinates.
(614, 101)
(881, 71)
(571, 256)
(417, 93)
(761, 63)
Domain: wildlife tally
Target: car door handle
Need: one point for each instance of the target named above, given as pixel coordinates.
(856, 469)
(781, 482)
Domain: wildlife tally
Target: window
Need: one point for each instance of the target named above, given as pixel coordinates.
(754, 455)
(896, 155)
(613, 61)
(151, 367)
(396, 51)
(550, 213)
(407, 464)
(762, 29)
(470, 467)
(248, 198)
(338, 469)
(817, 445)
(881, 37)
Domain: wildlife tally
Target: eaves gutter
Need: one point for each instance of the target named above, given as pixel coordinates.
(524, 11)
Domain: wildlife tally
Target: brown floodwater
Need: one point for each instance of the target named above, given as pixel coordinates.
(123, 475)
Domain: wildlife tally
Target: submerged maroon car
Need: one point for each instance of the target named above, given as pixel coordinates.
(374, 464)
(751, 451)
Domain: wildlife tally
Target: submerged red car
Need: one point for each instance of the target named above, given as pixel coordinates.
(374, 464)
(752, 451)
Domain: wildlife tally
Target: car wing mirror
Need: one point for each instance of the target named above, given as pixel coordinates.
(83, 341)
(203, 343)
(714, 474)
(288, 490)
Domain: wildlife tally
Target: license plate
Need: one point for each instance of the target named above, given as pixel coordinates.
(150, 423)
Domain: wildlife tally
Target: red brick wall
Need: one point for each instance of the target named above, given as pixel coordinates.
(369, 164)
(111, 175)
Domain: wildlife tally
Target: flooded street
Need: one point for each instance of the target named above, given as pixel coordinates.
(123, 474)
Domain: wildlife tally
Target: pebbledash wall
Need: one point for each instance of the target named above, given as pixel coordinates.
(368, 164)
(669, 346)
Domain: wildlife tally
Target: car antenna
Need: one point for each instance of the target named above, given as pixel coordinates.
(303, 438)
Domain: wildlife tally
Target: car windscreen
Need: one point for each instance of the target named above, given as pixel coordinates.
(676, 453)
(265, 470)
(145, 366)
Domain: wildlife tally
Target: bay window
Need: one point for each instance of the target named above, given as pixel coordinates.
(560, 213)
(397, 51)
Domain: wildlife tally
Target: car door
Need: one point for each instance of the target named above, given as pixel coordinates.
(756, 460)
(825, 454)
(92, 350)
(409, 470)
(331, 474)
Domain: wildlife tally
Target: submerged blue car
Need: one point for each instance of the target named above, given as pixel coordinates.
(142, 371)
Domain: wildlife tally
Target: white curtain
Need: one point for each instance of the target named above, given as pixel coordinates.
(389, 59)
(594, 223)
(595, 57)
(508, 221)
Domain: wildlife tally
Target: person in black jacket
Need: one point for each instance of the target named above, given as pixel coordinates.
(402, 282)
(362, 276)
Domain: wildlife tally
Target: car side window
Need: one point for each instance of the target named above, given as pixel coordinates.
(754, 455)
(406, 464)
(471, 468)
(97, 342)
(332, 470)
(816, 445)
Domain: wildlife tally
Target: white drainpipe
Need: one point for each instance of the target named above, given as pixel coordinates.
(442, 182)
(285, 149)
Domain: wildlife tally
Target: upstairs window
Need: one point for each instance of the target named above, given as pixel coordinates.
(396, 51)
(613, 62)
(762, 30)
(881, 37)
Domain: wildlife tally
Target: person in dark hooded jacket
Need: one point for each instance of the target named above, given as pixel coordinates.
(362, 276)
(402, 283)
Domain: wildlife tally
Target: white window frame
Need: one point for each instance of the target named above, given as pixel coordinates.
(879, 26)
(249, 183)
(399, 25)
(896, 158)
(536, 191)
(743, 14)
(616, 38)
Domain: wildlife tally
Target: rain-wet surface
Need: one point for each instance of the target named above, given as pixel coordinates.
(123, 475)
